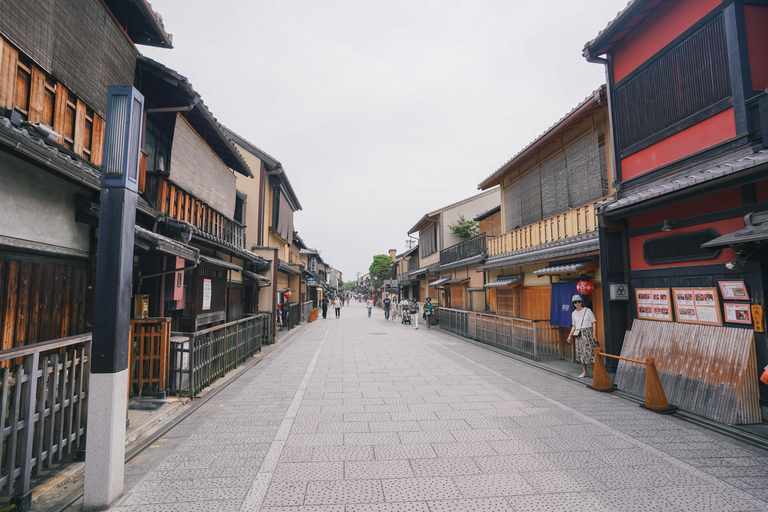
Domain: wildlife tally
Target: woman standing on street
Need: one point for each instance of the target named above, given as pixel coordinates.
(369, 305)
(337, 306)
(584, 331)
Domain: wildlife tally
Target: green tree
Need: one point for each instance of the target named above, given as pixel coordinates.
(464, 228)
(379, 269)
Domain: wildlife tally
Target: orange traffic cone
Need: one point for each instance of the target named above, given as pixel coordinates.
(600, 379)
(655, 399)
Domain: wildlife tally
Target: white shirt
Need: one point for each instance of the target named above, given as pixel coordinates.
(369, 303)
(582, 319)
(336, 303)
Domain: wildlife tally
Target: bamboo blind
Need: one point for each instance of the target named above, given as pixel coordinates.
(704, 369)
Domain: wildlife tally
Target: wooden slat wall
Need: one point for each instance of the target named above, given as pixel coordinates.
(535, 302)
(40, 302)
(458, 296)
(704, 369)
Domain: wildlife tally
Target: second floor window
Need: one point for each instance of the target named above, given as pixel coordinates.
(428, 241)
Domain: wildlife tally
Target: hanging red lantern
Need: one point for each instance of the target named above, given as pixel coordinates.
(584, 287)
(288, 294)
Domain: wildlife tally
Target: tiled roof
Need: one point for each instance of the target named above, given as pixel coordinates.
(477, 258)
(631, 6)
(561, 269)
(742, 161)
(572, 246)
(440, 281)
(487, 213)
(504, 281)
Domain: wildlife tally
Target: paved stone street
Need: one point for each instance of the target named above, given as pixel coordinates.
(363, 415)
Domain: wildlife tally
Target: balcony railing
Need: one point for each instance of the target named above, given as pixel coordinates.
(534, 339)
(181, 205)
(462, 250)
(575, 222)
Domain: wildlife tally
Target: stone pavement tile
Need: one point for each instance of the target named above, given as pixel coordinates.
(748, 482)
(444, 425)
(325, 439)
(229, 506)
(324, 417)
(650, 476)
(626, 456)
(486, 434)
(343, 491)
(304, 427)
(370, 438)
(285, 494)
(394, 426)
(559, 502)
(468, 406)
(387, 408)
(496, 422)
(471, 505)
(419, 489)
(414, 506)
(571, 480)
(367, 416)
(571, 459)
(304, 471)
(187, 496)
(629, 500)
(513, 446)
(404, 451)
(442, 399)
(467, 449)
(512, 463)
(205, 506)
(368, 402)
(322, 401)
(697, 498)
(402, 400)
(454, 414)
(484, 486)
(377, 469)
(308, 508)
(433, 436)
(345, 408)
(444, 467)
(296, 454)
(342, 453)
(340, 426)
(413, 416)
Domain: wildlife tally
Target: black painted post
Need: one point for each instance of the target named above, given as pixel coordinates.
(108, 389)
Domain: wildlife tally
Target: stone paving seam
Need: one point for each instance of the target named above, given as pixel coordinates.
(258, 491)
(671, 460)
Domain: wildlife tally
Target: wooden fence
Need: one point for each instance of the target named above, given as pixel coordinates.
(43, 401)
(198, 359)
(534, 339)
(707, 370)
(151, 345)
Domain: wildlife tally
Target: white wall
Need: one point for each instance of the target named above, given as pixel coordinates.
(38, 206)
(469, 209)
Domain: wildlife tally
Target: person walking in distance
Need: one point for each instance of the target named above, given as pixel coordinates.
(428, 312)
(584, 331)
(369, 305)
(337, 306)
(414, 310)
(394, 309)
(325, 306)
(387, 303)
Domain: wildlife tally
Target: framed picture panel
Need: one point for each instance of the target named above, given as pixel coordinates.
(739, 313)
(697, 306)
(733, 290)
(653, 304)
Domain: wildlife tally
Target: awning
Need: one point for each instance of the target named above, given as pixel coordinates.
(418, 273)
(253, 276)
(440, 281)
(220, 263)
(755, 230)
(457, 280)
(285, 267)
(472, 260)
(576, 246)
(405, 283)
(505, 281)
(555, 268)
(153, 241)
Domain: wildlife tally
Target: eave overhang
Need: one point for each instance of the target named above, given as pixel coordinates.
(177, 88)
(626, 20)
(585, 245)
(142, 24)
(425, 222)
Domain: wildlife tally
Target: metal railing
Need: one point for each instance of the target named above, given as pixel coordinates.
(306, 309)
(43, 401)
(213, 352)
(462, 250)
(534, 339)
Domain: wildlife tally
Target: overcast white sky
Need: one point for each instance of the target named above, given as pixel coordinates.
(383, 111)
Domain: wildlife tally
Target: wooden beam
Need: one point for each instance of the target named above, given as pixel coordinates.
(37, 96)
(8, 63)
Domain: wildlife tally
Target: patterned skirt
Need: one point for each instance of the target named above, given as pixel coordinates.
(585, 347)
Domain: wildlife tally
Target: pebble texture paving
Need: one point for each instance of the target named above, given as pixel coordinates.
(364, 415)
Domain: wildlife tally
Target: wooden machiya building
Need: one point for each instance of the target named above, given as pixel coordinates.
(684, 234)
(548, 240)
(53, 94)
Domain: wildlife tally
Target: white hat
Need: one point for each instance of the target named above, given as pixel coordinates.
(575, 298)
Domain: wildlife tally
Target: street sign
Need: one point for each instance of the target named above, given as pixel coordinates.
(619, 291)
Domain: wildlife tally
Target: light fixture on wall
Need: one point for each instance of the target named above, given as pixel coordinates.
(669, 225)
(734, 264)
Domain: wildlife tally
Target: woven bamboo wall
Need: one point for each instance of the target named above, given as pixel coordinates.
(707, 370)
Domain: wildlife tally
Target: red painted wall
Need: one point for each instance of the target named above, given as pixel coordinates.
(723, 226)
(756, 20)
(716, 202)
(668, 21)
(707, 133)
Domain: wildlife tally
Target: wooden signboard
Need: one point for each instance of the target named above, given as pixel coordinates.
(733, 290)
(653, 304)
(697, 306)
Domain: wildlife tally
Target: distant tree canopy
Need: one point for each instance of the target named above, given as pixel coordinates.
(464, 228)
(379, 269)
(350, 285)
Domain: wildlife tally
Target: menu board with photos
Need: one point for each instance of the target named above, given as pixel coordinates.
(697, 306)
(738, 313)
(653, 304)
(733, 290)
